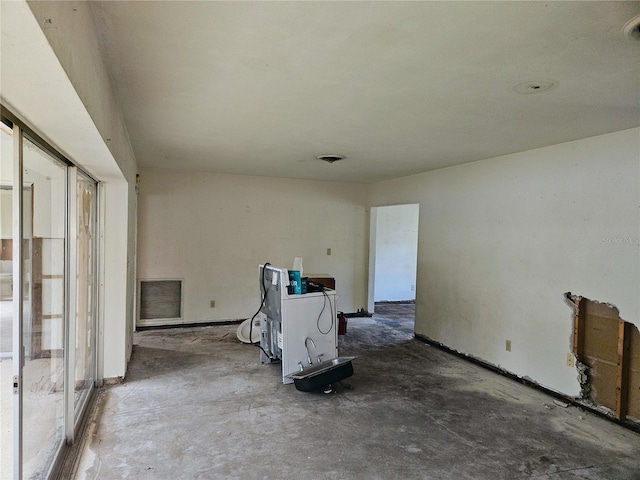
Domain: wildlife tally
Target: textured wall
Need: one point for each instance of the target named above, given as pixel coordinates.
(214, 230)
(501, 240)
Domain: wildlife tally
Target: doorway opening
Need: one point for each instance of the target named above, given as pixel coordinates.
(393, 261)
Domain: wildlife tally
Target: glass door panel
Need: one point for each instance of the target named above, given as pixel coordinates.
(44, 247)
(85, 289)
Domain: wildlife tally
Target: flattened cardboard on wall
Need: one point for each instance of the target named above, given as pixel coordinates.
(601, 354)
(634, 375)
(601, 351)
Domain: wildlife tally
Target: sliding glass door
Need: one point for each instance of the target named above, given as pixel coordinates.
(47, 302)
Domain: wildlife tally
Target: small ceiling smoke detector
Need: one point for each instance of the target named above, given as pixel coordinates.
(330, 158)
(632, 28)
(527, 88)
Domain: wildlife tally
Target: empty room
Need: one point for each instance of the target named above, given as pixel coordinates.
(320, 240)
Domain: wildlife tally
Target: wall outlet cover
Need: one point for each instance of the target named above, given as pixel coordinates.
(570, 360)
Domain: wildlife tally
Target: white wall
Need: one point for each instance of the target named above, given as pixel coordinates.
(214, 230)
(396, 247)
(114, 263)
(70, 31)
(501, 240)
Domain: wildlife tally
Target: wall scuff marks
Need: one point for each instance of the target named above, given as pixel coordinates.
(607, 351)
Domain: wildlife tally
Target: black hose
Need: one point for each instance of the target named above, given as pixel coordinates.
(263, 291)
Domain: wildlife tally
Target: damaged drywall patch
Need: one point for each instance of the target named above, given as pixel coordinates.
(594, 345)
(607, 353)
(583, 378)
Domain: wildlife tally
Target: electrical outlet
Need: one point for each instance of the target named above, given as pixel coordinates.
(570, 360)
(213, 304)
(508, 345)
(328, 251)
(413, 288)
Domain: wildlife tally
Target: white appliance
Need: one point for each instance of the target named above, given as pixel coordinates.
(295, 328)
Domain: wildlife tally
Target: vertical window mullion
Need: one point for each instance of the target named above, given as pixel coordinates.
(96, 290)
(71, 302)
(18, 290)
(100, 282)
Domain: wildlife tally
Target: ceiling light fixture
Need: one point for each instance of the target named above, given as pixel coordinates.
(330, 158)
(527, 88)
(632, 28)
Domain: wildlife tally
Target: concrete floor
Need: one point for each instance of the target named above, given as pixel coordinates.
(198, 404)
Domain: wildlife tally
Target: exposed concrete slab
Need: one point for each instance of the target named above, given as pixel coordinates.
(198, 404)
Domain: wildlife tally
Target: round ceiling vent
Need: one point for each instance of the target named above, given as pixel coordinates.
(330, 158)
(632, 28)
(527, 88)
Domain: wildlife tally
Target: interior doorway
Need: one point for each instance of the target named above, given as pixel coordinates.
(393, 260)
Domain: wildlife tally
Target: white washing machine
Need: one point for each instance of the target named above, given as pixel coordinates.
(295, 329)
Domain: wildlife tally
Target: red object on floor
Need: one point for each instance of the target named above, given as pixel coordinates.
(342, 324)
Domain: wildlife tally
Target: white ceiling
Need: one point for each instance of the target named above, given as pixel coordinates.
(261, 88)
